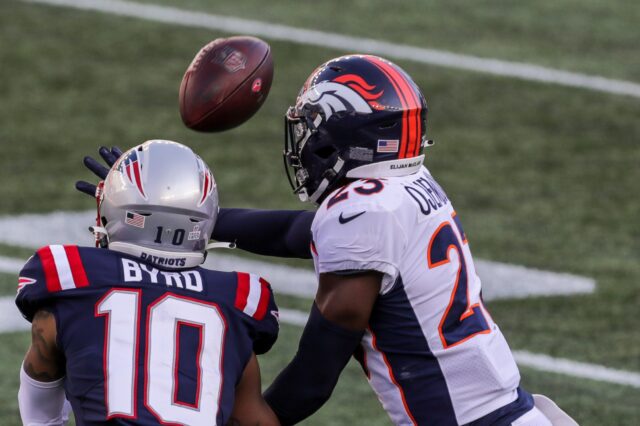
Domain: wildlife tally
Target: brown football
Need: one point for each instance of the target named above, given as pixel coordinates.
(226, 83)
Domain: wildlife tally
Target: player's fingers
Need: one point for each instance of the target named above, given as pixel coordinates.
(107, 155)
(86, 187)
(95, 166)
(116, 151)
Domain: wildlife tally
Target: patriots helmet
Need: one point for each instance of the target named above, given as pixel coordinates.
(159, 203)
(356, 116)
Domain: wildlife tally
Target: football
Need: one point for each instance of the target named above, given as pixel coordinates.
(226, 83)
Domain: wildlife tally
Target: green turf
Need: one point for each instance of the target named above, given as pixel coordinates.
(593, 36)
(8, 284)
(353, 402)
(541, 175)
(15, 252)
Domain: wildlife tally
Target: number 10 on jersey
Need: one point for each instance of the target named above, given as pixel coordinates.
(121, 309)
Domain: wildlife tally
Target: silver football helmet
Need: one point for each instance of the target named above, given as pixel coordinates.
(159, 202)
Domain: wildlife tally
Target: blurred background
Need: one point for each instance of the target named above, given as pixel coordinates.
(542, 174)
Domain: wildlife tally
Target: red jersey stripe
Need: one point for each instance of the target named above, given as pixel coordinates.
(77, 270)
(265, 294)
(242, 292)
(50, 270)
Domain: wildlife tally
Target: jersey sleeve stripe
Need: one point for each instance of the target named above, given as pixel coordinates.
(265, 294)
(242, 292)
(50, 271)
(255, 291)
(62, 267)
(77, 270)
(65, 276)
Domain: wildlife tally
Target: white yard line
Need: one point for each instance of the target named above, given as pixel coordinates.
(11, 321)
(499, 280)
(11, 266)
(577, 369)
(520, 70)
(10, 317)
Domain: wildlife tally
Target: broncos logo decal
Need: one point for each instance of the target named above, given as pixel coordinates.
(348, 92)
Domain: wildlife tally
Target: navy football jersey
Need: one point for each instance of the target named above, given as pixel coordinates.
(143, 345)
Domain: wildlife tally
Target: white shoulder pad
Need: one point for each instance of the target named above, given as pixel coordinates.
(360, 233)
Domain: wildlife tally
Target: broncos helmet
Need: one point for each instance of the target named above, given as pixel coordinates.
(159, 203)
(356, 116)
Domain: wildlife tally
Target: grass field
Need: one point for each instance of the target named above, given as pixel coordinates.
(541, 175)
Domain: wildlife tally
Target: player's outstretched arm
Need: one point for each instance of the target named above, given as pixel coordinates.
(41, 396)
(335, 327)
(281, 233)
(249, 408)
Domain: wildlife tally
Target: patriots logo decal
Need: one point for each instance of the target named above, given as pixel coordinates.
(23, 282)
(131, 167)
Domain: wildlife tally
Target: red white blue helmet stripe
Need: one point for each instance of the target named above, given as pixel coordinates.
(131, 166)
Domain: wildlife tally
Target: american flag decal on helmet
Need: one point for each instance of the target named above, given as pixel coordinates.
(131, 167)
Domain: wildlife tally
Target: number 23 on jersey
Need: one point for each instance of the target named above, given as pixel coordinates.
(461, 319)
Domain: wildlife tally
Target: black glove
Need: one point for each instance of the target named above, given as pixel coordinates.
(109, 156)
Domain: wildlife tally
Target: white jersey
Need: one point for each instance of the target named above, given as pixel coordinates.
(432, 353)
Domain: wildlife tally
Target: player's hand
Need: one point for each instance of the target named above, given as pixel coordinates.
(109, 156)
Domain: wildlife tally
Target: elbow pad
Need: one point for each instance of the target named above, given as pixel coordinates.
(308, 381)
(41, 403)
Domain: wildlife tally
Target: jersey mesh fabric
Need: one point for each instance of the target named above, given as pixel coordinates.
(432, 350)
(94, 315)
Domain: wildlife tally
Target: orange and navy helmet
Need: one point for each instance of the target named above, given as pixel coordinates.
(356, 116)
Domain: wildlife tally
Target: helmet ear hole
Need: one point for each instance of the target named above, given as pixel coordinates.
(325, 152)
(388, 125)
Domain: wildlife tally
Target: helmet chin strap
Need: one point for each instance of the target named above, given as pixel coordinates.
(211, 246)
(323, 184)
(99, 232)
(101, 236)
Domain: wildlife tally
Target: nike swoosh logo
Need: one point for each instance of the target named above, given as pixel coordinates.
(347, 219)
